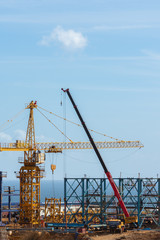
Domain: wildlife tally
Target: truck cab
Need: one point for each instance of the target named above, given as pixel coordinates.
(115, 225)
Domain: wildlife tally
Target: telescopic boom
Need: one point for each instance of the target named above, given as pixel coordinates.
(108, 174)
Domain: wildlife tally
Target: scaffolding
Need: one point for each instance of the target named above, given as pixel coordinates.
(92, 200)
(53, 211)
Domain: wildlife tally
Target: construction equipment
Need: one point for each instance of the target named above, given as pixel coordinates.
(130, 222)
(55, 147)
(30, 173)
(115, 225)
(108, 174)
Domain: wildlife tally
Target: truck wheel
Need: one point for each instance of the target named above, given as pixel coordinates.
(119, 230)
(122, 229)
(111, 231)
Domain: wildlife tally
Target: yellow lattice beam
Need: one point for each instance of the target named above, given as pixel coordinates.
(60, 146)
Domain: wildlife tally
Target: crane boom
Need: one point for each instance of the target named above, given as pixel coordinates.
(22, 146)
(108, 174)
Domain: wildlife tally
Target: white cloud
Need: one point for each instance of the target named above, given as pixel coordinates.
(68, 38)
(5, 137)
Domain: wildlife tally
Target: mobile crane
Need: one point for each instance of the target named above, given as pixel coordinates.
(108, 174)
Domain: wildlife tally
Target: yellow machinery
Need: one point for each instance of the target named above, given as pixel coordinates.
(129, 222)
(115, 225)
(30, 173)
(53, 211)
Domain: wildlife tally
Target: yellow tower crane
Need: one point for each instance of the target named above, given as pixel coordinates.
(30, 173)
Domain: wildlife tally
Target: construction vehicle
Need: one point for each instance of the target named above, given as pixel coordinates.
(115, 225)
(108, 174)
(31, 173)
(129, 222)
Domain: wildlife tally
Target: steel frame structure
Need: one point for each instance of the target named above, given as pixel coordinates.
(53, 210)
(60, 146)
(92, 200)
(2, 174)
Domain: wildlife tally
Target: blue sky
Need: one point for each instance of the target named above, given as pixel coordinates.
(108, 54)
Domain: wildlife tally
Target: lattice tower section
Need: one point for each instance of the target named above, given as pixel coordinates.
(30, 176)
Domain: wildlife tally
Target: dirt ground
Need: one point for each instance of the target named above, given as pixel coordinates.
(130, 235)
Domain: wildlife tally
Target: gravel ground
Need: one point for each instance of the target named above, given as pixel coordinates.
(131, 235)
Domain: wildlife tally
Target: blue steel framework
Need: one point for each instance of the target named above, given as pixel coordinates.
(9, 193)
(2, 174)
(92, 199)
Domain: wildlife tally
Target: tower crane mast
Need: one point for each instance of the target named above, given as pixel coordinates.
(29, 176)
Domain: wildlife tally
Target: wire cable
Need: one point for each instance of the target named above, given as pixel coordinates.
(11, 120)
(5, 130)
(122, 158)
(105, 135)
(53, 185)
(117, 160)
(55, 126)
(64, 130)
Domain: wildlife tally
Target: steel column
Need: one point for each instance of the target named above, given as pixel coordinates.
(159, 201)
(121, 192)
(82, 180)
(101, 201)
(9, 203)
(65, 201)
(105, 210)
(87, 200)
(139, 200)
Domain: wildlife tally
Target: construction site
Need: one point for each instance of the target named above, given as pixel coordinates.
(92, 208)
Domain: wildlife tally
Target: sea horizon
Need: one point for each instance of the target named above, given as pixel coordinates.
(48, 189)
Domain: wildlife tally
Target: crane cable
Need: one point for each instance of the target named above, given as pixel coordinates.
(55, 126)
(11, 120)
(53, 185)
(64, 130)
(113, 161)
(80, 125)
